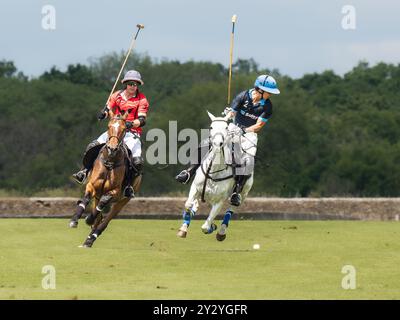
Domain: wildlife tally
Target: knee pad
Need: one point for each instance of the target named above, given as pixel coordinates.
(91, 145)
(91, 154)
(138, 163)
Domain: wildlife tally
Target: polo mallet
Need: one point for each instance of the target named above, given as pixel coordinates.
(139, 26)
(234, 18)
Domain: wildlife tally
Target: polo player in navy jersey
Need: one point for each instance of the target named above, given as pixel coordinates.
(251, 110)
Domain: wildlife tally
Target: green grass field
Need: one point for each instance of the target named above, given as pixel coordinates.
(144, 259)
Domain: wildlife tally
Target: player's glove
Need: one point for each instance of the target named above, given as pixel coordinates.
(226, 111)
(102, 115)
(129, 125)
(238, 130)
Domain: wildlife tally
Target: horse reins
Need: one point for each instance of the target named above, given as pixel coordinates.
(207, 175)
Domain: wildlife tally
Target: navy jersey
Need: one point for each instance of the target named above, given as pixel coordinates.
(248, 113)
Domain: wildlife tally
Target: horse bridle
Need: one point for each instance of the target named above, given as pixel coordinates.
(119, 141)
(223, 138)
(114, 136)
(207, 171)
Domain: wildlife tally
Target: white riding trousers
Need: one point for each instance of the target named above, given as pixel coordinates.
(131, 140)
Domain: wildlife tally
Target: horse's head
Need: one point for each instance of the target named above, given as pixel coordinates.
(218, 130)
(116, 132)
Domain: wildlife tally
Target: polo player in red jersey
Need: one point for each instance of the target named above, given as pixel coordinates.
(134, 102)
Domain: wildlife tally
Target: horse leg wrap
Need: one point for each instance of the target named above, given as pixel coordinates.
(212, 228)
(187, 216)
(80, 209)
(227, 218)
(84, 201)
(97, 233)
(82, 205)
(92, 236)
(104, 200)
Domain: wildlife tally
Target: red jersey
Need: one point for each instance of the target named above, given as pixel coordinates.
(136, 106)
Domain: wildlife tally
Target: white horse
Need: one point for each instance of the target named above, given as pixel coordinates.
(214, 179)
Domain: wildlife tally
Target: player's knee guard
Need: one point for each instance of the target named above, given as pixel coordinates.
(138, 163)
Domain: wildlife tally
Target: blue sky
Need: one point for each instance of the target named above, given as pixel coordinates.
(295, 36)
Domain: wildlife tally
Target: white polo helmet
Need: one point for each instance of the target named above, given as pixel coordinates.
(132, 75)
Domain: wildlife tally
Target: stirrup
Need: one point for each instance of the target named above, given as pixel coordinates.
(180, 179)
(77, 176)
(129, 192)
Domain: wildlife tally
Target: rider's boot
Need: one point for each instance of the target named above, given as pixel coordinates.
(82, 174)
(135, 170)
(240, 181)
(185, 175)
(129, 192)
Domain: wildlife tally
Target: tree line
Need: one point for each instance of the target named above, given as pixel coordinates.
(329, 135)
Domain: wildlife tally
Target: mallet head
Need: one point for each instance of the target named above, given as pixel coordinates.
(140, 26)
(234, 18)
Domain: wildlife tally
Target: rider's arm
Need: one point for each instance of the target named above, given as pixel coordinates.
(142, 112)
(231, 114)
(262, 119)
(256, 127)
(140, 121)
(236, 104)
(104, 113)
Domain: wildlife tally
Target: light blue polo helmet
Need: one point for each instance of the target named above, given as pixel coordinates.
(267, 83)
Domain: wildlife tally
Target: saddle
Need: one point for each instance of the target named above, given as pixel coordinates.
(91, 155)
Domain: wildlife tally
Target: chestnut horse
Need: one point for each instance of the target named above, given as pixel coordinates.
(106, 181)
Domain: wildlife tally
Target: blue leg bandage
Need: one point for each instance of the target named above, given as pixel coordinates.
(227, 217)
(187, 216)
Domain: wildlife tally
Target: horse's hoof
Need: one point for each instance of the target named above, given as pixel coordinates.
(73, 224)
(89, 220)
(209, 230)
(87, 244)
(220, 237)
(181, 234)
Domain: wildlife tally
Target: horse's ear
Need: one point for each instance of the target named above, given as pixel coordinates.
(125, 115)
(212, 117)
